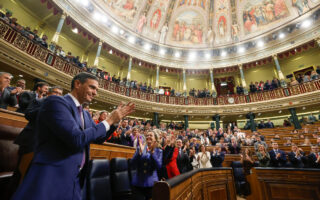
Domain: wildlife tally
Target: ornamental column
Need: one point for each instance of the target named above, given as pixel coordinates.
(243, 81)
(184, 82)
(251, 117)
(157, 76)
(156, 119)
(213, 88)
(129, 71)
(186, 122)
(96, 60)
(280, 74)
(56, 35)
(216, 118)
(294, 118)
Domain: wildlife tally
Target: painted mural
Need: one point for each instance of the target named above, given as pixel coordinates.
(199, 3)
(126, 9)
(205, 23)
(188, 28)
(257, 14)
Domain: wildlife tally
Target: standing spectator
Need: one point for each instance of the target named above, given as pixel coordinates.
(296, 157)
(278, 157)
(40, 90)
(259, 142)
(170, 155)
(314, 157)
(263, 156)
(216, 157)
(204, 157)
(147, 160)
(102, 116)
(247, 161)
(194, 164)
(7, 97)
(183, 158)
(234, 147)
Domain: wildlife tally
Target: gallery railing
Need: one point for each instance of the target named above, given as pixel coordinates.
(37, 51)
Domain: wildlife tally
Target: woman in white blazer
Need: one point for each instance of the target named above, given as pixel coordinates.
(204, 157)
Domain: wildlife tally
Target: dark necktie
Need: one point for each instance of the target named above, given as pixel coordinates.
(82, 126)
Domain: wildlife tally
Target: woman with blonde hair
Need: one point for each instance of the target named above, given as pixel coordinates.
(263, 157)
(204, 157)
(147, 160)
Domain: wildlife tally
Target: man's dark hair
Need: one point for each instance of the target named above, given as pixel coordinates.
(39, 84)
(85, 105)
(82, 77)
(54, 87)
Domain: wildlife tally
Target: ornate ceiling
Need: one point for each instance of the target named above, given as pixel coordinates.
(198, 34)
(204, 23)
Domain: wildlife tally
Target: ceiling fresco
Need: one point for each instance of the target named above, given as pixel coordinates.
(204, 23)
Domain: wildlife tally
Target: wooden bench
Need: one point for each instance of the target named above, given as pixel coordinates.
(284, 183)
(213, 183)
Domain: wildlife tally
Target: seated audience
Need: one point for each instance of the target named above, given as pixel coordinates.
(263, 156)
(269, 124)
(278, 157)
(261, 125)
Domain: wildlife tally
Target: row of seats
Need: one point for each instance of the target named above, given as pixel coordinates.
(108, 179)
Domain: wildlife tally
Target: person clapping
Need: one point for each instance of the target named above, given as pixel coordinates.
(147, 159)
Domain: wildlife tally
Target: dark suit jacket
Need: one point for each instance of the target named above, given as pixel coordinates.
(217, 160)
(60, 146)
(7, 99)
(234, 150)
(25, 99)
(280, 162)
(183, 162)
(26, 139)
(295, 162)
(312, 161)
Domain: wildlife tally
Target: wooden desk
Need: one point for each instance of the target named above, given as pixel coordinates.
(284, 183)
(209, 184)
(109, 151)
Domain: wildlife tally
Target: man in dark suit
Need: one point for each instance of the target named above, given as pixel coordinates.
(296, 157)
(64, 132)
(7, 96)
(314, 157)
(278, 157)
(269, 124)
(40, 91)
(183, 158)
(217, 157)
(26, 140)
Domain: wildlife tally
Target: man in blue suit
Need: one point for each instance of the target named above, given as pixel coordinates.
(278, 157)
(63, 134)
